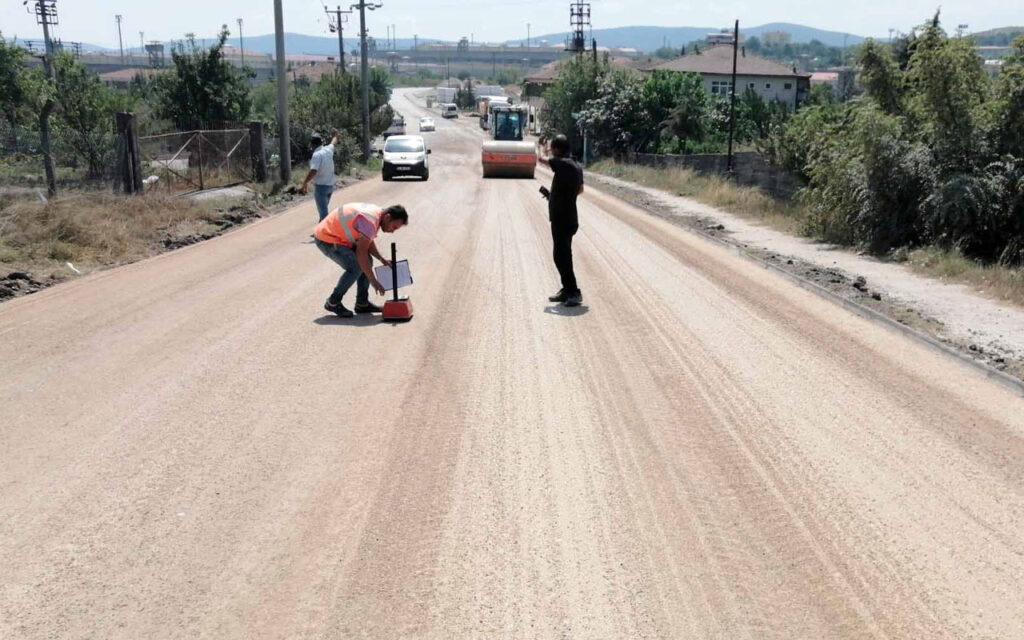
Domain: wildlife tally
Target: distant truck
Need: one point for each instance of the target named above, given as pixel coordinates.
(397, 127)
(483, 108)
(445, 94)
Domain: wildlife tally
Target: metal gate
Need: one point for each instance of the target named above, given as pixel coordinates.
(196, 160)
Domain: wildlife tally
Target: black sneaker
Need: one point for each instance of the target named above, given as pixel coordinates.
(574, 299)
(558, 297)
(369, 307)
(338, 309)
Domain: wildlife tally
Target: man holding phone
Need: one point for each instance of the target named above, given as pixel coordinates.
(566, 186)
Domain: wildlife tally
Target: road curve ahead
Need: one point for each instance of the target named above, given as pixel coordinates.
(191, 448)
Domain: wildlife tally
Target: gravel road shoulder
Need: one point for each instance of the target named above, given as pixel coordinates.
(981, 328)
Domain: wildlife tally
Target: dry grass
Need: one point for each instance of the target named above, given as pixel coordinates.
(90, 229)
(749, 202)
(1001, 283)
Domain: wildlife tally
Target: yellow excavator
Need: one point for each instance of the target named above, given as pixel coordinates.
(507, 154)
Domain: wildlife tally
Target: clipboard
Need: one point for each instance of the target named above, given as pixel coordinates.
(383, 274)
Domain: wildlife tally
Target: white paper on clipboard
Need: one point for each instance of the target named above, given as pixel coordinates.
(383, 274)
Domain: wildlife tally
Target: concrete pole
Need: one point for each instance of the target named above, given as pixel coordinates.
(732, 99)
(120, 42)
(241, 42)
(364, 80)
(285, 152)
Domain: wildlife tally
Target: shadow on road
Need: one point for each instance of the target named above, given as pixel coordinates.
(365, 320)
(560, 310)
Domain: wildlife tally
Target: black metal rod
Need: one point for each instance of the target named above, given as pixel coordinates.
(394, 270)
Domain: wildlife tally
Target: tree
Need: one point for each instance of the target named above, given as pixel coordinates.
(203, 87)
(949, 87)
(880, 76)
(665, 91)
(1006, 113)
(577, 82)
(13, 97)
(85, 114)
(677, 105)
(334, 104)
(615, 119)
(666, 53)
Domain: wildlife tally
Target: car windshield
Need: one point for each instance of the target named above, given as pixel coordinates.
(403, 146)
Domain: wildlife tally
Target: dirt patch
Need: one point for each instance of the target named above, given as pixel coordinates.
(42, 244)
(983, 343)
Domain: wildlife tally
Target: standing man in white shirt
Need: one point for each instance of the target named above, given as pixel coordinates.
(321, 172)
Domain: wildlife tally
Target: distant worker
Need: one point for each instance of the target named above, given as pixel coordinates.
(346, 236)
(321, 172)
(565, 187)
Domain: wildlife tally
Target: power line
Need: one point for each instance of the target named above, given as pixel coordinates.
(336, 22)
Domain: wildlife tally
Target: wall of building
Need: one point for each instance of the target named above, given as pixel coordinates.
(750, 169)
(768, 87)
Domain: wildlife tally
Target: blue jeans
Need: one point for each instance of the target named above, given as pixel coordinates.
(346, 259)
(322, 197)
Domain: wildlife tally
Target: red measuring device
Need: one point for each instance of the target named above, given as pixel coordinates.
(397, 309)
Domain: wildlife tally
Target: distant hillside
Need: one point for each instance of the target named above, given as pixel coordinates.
(644, 38)
(293, 43)
(998, 37)
(651, 38)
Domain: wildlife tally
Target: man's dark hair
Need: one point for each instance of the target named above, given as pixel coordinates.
(315, 140)
(560, 143)
(398, 213)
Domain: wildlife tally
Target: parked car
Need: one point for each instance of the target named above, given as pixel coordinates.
(426, 124)
(404, 156)
(449, 110)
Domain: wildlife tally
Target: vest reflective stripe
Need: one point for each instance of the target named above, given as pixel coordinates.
(339, 225)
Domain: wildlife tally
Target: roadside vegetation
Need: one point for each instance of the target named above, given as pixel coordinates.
(925, 165)
(91, 227)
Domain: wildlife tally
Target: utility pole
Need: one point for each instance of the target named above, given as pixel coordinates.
(732, 102)
(120, 43)
(46, 15)
(364, 70)
(336, 22)
(241, 42)
(285, 152)
(142, 40)
(527, 35)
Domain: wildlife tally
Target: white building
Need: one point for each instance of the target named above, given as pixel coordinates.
(770, 80)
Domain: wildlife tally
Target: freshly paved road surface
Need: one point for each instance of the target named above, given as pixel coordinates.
(190, 448)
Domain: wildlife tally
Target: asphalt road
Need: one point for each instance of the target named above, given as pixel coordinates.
(191, 448)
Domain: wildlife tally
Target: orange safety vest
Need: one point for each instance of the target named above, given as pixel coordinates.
(339, 225)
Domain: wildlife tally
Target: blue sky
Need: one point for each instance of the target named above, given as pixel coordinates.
(93, 20)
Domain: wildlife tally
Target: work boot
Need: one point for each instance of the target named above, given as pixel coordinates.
(558, 297)
(574, 299)
(337, 309)
(367, 307)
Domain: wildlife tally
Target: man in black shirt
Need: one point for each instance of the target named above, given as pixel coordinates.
(565, 187)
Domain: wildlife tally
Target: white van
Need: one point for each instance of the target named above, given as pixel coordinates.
(449, 110)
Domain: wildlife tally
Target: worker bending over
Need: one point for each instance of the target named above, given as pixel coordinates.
(346, 236)
(565, 187)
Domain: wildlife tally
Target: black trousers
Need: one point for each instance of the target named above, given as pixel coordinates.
(561, 235)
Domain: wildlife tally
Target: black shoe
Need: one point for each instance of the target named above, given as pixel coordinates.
(558, 297)
(338, 309)
(369, 307)
(574, 299)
